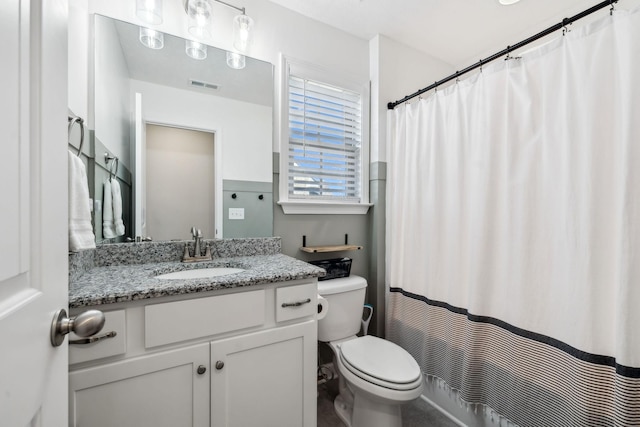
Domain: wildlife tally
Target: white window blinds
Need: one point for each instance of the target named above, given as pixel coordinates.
(325, 138)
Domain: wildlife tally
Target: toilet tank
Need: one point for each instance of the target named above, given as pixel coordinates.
(345, 299)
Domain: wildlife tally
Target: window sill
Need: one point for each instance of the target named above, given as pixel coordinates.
(300, 207)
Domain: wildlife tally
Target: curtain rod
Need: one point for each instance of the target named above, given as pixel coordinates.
(507, 51)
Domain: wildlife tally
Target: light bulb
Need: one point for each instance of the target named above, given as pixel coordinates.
(235, 60)
(196, 50)
(242, 25)
(200, 17)
(151, 38)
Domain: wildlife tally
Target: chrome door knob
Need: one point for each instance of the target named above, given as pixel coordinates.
(84, 325)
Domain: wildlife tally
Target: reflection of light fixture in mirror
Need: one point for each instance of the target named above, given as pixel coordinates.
(199, 12)
(149, 11)
(242, 32)
(151, 38)
(196, 50)
(235, 60)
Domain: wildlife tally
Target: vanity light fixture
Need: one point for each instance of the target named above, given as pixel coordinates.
(200, 19)
(236, 60)
(507, 2)
(151, 38)
(149, 11)
(196, 50)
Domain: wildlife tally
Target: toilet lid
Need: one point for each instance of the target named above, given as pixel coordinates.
(379, 359)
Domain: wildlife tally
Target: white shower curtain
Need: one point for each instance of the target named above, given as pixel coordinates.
(513, 231)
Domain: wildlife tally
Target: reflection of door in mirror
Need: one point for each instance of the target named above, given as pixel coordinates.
(180, 182)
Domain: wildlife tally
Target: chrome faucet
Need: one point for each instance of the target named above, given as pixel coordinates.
(197, 251)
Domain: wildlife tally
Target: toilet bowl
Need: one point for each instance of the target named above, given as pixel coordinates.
(376, 376)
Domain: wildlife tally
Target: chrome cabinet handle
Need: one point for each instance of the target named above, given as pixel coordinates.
(219, 365)
(296, 304)
(94, 338)
(201, 369)
(84, 325)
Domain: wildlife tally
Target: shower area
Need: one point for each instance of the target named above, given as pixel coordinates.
(513, 230)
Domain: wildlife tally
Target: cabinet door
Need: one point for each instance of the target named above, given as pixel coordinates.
(157, 390)
(265, 379)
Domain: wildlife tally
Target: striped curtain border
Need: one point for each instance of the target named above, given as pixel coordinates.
(625, 371)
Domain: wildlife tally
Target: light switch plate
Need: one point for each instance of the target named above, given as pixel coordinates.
(236, 213)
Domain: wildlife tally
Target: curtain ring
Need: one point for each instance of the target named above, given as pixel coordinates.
(565, 28)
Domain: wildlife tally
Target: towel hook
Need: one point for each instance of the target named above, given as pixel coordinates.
(72, 121)
(107, 159)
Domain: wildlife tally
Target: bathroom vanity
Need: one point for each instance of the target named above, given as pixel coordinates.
(230, 350)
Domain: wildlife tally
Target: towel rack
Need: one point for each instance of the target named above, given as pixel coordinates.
(73, 120)
(107, 158)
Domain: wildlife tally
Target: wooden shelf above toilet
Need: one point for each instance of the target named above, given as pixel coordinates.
(329, 248)
(335, 248)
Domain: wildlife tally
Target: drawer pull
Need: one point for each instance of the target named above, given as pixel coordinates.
(296, 304)
(94, 338)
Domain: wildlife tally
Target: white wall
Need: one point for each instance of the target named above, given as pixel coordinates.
(242, 128)
(396, 70)
(111, 97)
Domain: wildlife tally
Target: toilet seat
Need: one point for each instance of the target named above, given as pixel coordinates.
(380, 362)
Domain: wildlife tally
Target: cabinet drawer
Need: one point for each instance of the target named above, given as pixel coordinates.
(115, 321)
(201, 317)
(293, 302)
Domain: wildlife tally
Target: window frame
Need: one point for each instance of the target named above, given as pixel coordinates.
(321, 75)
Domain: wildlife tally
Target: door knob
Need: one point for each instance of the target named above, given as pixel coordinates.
(84, 325)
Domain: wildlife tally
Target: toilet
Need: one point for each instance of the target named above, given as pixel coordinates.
(375, 376)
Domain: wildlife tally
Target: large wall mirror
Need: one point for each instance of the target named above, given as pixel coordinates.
(192, 136)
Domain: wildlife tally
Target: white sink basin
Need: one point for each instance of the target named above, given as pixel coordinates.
(199, 273)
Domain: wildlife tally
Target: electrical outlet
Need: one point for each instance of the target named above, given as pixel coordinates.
(236, 213)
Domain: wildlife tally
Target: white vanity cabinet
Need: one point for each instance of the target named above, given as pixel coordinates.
(234, 358)
(163, 389)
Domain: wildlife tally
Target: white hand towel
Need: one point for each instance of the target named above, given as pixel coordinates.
(117, 207)
(80, 230)
(108, 226)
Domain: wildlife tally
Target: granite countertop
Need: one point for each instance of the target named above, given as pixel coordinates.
(121, 283)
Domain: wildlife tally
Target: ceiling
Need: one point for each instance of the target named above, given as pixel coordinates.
(455, 31)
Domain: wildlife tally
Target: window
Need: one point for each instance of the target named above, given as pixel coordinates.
(324, 147)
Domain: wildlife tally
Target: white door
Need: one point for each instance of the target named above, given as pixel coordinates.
(33, 211)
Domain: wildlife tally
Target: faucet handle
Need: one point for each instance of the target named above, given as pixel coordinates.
(194, 231)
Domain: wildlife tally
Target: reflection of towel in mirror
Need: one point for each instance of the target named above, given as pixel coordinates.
(108, 227)
(80, 230)
(117, 207)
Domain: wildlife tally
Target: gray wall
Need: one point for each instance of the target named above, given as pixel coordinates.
(258, 213)
(365, 230)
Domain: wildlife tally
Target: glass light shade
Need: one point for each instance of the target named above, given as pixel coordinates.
(235, 60)
(149, 11)
(507, 2)
(196, 50)
(242, 25)
(200, 18)
(151, 38)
